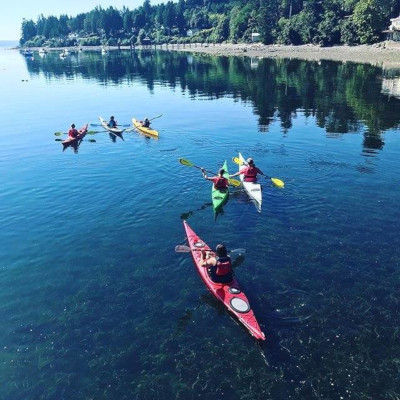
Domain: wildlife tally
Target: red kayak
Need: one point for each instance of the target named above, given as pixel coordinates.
(73, 140)
(229, 294)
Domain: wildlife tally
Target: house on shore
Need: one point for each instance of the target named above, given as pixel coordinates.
(192, 32)
(255, 37)
(393, 32)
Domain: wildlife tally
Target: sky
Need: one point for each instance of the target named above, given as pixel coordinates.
(13, 11)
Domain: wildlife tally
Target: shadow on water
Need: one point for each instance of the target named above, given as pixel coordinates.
(187, 215)
(114, 136)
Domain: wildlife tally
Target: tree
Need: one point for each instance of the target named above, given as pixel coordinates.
(51, 28)
(238, 22)
(369, 20)
(28, 30)
(267, 20)
(169, 15)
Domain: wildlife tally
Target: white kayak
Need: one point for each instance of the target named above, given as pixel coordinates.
(253, 189)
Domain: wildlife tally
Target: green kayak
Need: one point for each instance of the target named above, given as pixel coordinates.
(219, 197)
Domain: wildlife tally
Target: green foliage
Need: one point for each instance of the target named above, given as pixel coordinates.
(239, 19)
(141, 36)
(326, 22)
(90, 41)
(28, 30)
(328, 29)
(221, 31)
(369, 20)
(348, 32)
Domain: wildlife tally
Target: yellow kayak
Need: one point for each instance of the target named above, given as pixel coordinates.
(142, 129)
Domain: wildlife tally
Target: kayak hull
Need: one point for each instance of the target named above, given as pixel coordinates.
(142, 129)
(229, 294)
(220, 197)
(253, 189)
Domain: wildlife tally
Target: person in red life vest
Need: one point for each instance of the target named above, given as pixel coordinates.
(219, 266)
(219, 181)
(73, 133)
(250, 171)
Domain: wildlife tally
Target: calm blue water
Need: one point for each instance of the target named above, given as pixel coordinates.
(95, 303)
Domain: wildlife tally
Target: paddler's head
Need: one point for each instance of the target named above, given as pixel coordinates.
(73, 126)
(221, 251)
(221, 172)
(112, 117)
(250, 161)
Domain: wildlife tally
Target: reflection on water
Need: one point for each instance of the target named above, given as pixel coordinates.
(343, 97)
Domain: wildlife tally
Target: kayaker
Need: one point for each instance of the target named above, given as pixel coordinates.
(73, 132)
(220, 265)
(145, 123)
(220, 182)
(250, 171)
(112, 123)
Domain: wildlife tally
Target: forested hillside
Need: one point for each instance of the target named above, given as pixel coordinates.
(323, 22)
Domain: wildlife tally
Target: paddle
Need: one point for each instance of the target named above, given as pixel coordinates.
(66, 133)
(158, 116)
(277, 182)
(186, 249)
(233, 182)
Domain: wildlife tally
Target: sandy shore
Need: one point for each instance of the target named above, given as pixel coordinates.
(386, 54)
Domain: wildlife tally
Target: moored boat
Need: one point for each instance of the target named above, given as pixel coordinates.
(253, 189)
(142, 129)
(220, 197)
(229, 294)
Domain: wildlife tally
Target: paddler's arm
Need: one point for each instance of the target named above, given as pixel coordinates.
(207, 261)
(205, 175)
(236, 173)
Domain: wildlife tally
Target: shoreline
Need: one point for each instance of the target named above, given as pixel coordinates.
(381, 54)
(384, 54)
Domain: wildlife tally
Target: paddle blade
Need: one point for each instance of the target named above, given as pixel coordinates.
(237, 161)
(234, 182)
(185, 162)
(59, 133)
(238, 251)
(277, 182)
(180, 248)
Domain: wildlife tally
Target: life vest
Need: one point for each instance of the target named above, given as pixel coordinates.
(221, 183)
(73, 133)
(250, 174)
(223, 266)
